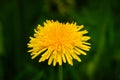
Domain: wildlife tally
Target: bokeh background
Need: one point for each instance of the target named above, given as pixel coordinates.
(101, 18)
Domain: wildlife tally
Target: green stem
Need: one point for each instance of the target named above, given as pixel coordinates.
(60, 73)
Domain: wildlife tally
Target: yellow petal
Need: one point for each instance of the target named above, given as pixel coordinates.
(35, 55)
(86, 43)
(59, 60)
(30, 50)
(85, 38)
(46, 55)
(55, 58)
(68, 56)
(63, 57)
(85, 47)
(83, 32)
(39, 27)
(50, 59)
(79, 27)
(75, 56)
(80, 51)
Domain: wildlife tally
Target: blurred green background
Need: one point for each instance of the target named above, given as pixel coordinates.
(101, 18)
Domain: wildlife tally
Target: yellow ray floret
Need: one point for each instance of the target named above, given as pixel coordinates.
(59, 42)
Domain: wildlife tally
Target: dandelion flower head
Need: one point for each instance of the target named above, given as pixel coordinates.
(59, 42)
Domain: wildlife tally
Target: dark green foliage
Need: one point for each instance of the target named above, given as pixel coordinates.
(101, 18)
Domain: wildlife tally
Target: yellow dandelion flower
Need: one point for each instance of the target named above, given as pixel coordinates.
(59, 42)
